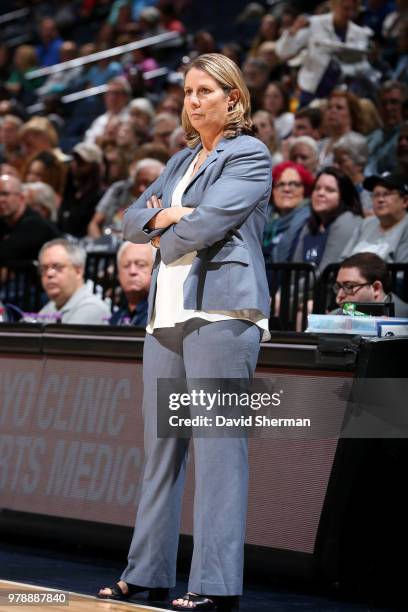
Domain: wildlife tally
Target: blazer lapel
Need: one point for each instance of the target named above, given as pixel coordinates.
(210, 160)
(177, 174)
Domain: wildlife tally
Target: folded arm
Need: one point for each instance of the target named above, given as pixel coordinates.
(244, 182)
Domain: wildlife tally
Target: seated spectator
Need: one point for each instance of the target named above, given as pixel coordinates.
(48, 49)
(25, 61)
(60, 81)
(322, 36)
(115, 162)
(308, 122)
(267, 52)
(276, 102)
(45, 167)
(62, 265)
(121, 194)
(162, 127)
(42, 198)
(382, 143)
(83, 190)
(141, 113)
(155, 150)
(351, 156)
(139, 59)
(370, 117)
(256, 76)
(291, 187)
(116, 99)
(364, 278)
(268, 32)
(342, 116)
(38, 135)
(11, 170)
(304, 150)
(150, 22)
(100, 72)
(232, 50)
(402, 150)
(109, 134)
(336, 212)
(385, 233)
(177, 140)
(22, 230)
(266, 131)
(128, 138)
(10, 151)
(135, 263)
(170, 104)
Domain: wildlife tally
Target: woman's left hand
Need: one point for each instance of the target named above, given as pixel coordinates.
(154, 202)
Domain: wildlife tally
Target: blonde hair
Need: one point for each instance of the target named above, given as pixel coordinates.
(228, 76)
(370, 119)
(41, 125)
(27, 55)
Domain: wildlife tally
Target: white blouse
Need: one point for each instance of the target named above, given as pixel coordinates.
(169, 308)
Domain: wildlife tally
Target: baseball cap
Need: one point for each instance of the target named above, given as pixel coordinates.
(88, 152)
(393, 180)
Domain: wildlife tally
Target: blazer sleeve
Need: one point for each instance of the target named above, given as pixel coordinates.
(245, 182)
(137, 216)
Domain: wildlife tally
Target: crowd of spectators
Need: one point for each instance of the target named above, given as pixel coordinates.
(329, 93)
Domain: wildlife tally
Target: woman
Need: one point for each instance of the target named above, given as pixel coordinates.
(208, 309)
(322, 36)
(265, 131)
(336, 212)
(304, 150)
(292, 185)
(45, 167)
(25, 61)
(38, 135)
(351, 156)
(276, 102)
(342, 116)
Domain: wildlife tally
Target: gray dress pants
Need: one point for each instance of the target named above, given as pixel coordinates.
(194, 349)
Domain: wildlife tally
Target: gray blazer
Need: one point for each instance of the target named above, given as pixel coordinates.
(230, 194)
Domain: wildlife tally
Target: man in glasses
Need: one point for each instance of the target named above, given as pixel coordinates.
(61, 266)
(364, 278)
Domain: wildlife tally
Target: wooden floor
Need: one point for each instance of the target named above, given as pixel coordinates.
(77, 602)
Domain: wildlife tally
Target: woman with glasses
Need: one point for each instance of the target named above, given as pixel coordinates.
(292, 185)
(335, 212)
(385, 233)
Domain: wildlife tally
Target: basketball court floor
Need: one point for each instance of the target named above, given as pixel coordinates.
(80, 573)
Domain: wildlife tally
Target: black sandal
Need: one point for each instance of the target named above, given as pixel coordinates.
(155, 594)
(212, 602)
